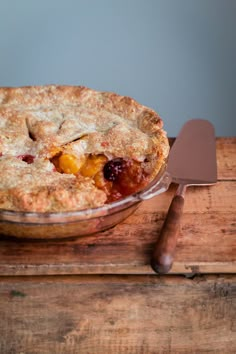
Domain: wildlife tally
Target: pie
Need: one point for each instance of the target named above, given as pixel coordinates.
(65, 148)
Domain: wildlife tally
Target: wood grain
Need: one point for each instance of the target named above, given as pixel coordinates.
(114, 314)
(226, 158)
(163, 251)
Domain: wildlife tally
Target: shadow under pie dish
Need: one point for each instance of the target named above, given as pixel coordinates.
(75, 161)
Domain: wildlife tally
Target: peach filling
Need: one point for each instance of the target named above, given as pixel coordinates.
(118, 177)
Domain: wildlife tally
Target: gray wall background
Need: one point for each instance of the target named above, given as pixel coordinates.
(176, 56)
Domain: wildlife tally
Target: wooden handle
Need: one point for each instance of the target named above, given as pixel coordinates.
(163, 254)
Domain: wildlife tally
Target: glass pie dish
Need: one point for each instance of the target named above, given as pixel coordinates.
(33, 225)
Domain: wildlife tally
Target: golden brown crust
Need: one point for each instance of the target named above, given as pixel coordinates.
(42, 120)
(38, 187)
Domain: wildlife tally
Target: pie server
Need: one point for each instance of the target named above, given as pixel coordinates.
(192, 161)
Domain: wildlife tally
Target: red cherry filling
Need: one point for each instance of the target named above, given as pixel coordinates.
(113, 169)
(26, 158)
(127, 175)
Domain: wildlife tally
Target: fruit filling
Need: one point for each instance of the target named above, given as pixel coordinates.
(26, 158)
(67, 163)
(118, 177)
(127, 175)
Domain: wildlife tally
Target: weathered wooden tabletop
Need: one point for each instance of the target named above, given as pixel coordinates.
(98, 294)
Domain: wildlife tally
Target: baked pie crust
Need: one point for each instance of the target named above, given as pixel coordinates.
(65, 148)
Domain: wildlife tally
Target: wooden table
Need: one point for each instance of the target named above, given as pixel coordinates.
(98, 294)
